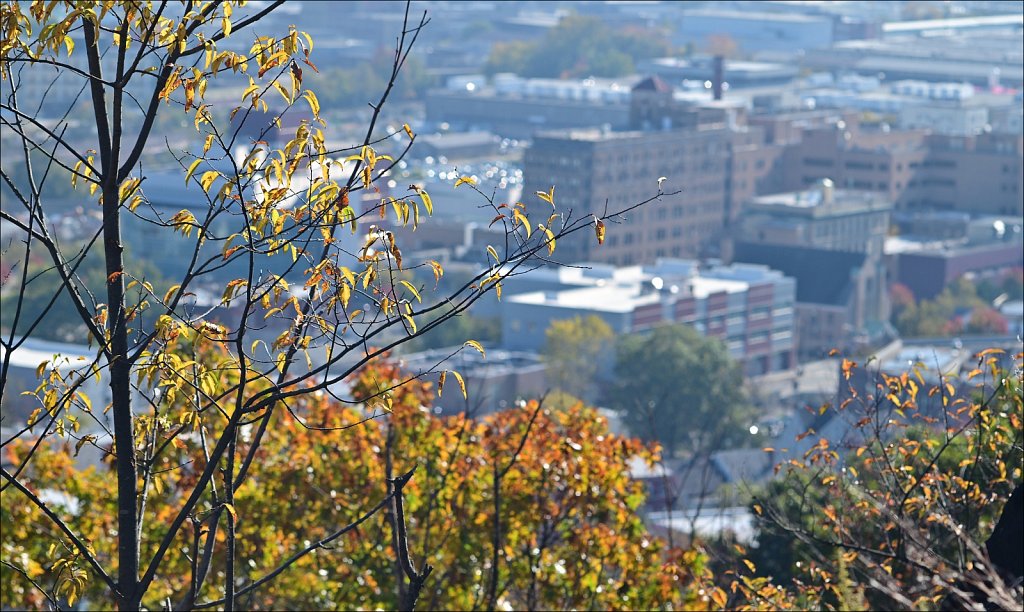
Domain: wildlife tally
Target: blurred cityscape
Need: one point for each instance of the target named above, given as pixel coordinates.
(833, 175)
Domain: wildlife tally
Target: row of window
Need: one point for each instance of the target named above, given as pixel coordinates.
(822, 162)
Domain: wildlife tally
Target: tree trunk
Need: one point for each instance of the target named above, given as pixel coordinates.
(120, 390)
(1006, 545)
(108, 133)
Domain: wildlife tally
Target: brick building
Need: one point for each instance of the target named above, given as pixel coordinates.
(722, 158)
(597, 170)
(980, 174)
(832, 242)
(706, 150)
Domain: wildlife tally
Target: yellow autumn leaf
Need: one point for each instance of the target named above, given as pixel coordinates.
(548, 197)
(192, 169)
(207, 180)
(518, 217)
(477, 346)
(462, 383)
(314, 103)
(427, 202)
(411, 289)
(437, 269)
(551, 240)
(719, 597)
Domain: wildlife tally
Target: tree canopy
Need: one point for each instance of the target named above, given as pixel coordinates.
(578, 46)
(957, 310)
(574, 352)
(680, 388)
(528, 508)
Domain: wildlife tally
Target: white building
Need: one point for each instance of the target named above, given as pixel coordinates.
(749, 307)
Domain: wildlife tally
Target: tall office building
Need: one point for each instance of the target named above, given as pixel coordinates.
(598, 171)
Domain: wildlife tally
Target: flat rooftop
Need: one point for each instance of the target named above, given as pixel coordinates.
(624, 298)
(902, 27)
(812, 202)
(726, 14)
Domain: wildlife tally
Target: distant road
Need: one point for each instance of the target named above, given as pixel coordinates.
(814, 377)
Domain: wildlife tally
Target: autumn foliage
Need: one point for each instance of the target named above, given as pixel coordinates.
(535, 508)
(550, 488)
(901, 514)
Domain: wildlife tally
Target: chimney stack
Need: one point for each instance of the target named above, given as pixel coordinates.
(718, 76)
